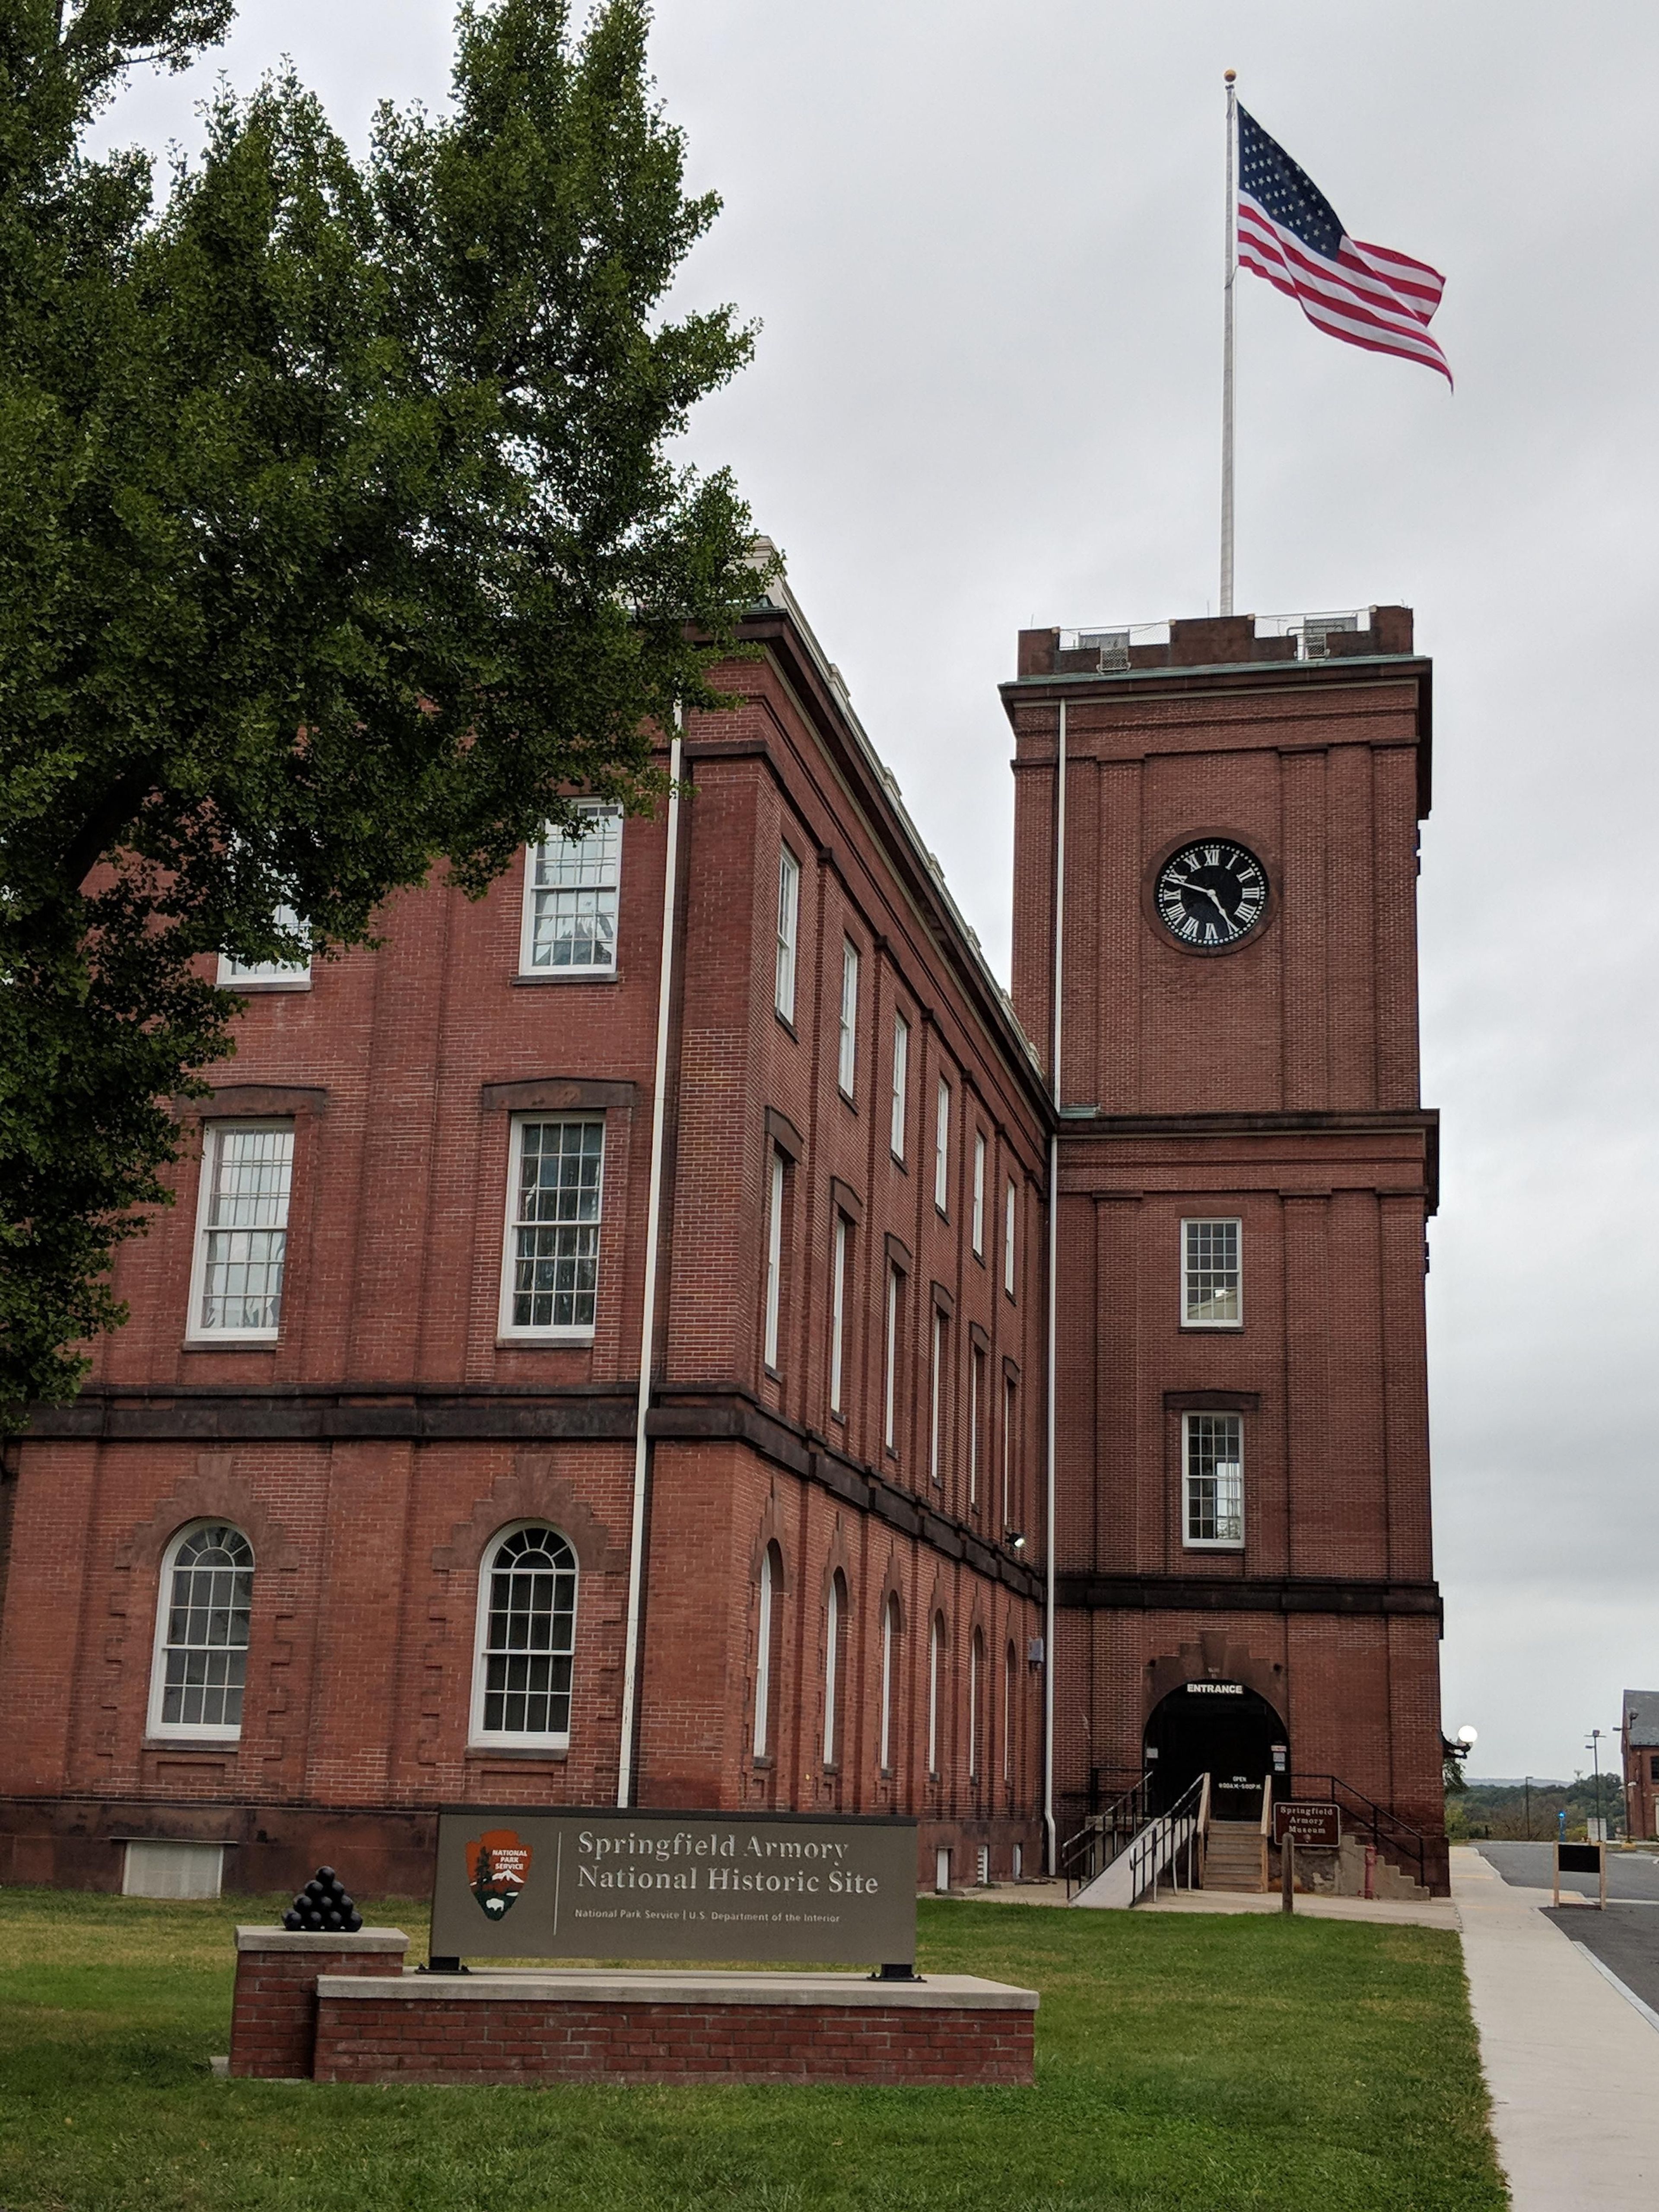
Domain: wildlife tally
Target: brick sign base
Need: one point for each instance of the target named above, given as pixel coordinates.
(360, 2023)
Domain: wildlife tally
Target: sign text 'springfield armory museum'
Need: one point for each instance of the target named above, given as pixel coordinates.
(533, 1884)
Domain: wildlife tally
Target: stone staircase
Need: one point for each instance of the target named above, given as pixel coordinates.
(1236, 1856)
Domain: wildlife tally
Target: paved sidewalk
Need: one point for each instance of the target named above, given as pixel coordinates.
(1573, 2068)
(1380, 1912)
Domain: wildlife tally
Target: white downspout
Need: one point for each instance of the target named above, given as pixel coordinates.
(648, 1305)
(1054, 1291)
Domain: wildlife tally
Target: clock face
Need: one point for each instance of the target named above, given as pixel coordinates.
(1211, 895)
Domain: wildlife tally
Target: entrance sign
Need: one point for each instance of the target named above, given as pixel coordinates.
(1312, 1824)
(529, 1883)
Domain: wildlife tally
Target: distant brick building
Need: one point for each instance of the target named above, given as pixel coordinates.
(343, 1525)
(1639, 1740)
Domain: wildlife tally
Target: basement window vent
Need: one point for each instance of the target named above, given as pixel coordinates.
(173, 1870)
(1112, 646)
(1318, 630)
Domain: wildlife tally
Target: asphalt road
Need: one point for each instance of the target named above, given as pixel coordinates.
(1632, 1876)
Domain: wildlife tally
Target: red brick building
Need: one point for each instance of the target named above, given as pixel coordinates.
(1638, 1734)
(366, 1511)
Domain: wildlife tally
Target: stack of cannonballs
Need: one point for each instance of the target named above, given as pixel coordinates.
(322, 1906)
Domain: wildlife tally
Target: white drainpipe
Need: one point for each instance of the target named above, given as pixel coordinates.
(648, 1310)
(1054, 1289)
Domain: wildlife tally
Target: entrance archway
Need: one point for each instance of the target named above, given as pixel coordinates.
(1221, 1730)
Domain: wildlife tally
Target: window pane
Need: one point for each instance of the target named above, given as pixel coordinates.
(530, 1635)
(232, 970)
(942, 1147)
(901, 1076)
(847, 1054)
(210, 1601)
(1215, 1490)
(556, 1223)
(788, 916)
(574, 892)
(1211, 1271)
(246, 1228)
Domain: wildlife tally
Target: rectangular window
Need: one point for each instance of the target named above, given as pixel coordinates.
(554, 1184)
(1009, 1204)
(788, 928)
(288, 974)
(847, 1048)
(1211, 1282)
(242, 1244)
(901, 1079)
(975, 1414)
(1213, 1447)
(774, 1257)
(1653, 1769)
(890, 1374)
(942, 1148)
(936, 1401)
(1009, 1446)
(571, 889)
(979, 1194)
(838, 1311)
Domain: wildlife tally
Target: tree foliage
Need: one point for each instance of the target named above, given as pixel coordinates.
(338, 537)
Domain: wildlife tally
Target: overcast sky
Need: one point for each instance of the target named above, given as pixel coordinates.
(985, 243)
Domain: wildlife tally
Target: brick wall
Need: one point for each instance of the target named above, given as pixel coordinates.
(398, 2041)
(273, 2022)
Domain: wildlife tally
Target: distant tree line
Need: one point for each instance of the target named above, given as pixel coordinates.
(1514, 1812)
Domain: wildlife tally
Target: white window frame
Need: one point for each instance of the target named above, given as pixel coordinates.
(976, 1413)
(1010, 1217)
(889, 1376)
(599, 811)
(1189, 1318)
(1235, 1482)
(776, 1187)
(214, 1134)
(901, 1086)
(935, 1650)
(1009, 1676)
(783, 990)
(478, 1737)
(831, 1665)
(889, 1639)
(190, 1731)
(975, 1666)
(236, 974)
(942, 1149)
(838, 1312)
(979, 1194)
(762, 1737)
(508, 1329)
(935, 1396)
(847, 1047)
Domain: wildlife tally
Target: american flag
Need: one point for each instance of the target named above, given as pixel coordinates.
(1289, 233)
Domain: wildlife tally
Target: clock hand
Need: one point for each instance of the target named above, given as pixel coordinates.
(1214, 901)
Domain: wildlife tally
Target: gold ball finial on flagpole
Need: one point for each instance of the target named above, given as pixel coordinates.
(1230, 77)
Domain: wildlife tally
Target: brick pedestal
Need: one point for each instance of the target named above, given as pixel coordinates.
(531, 2027)
(273, 2022)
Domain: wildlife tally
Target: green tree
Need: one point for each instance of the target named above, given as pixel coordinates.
(339, 537)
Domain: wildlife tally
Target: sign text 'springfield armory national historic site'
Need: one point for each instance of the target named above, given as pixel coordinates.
(534, 1884)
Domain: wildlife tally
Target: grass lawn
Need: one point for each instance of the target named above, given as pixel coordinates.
(1197, 2063)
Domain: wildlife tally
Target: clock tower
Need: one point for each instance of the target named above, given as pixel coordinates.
(1228, 864)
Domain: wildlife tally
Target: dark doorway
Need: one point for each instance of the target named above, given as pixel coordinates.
(1218, 1728)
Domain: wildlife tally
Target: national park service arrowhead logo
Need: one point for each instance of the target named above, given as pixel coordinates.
(497, 1867)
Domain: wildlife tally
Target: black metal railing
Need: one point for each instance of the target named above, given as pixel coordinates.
(1174, 1841)
(1105, 1834)
(1404, 1846)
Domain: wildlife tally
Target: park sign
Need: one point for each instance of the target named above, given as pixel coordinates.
(530, 1883)
(1313, 1824)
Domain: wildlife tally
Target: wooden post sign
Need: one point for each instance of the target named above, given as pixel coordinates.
(1583, 1859)
(1312, 1823)
(523, 1882)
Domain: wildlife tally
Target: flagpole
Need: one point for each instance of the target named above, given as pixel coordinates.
(1227, 354)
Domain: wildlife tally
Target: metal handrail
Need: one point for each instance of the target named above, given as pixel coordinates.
(1166, 1839)
(1108, 1832)
(1386, 1828)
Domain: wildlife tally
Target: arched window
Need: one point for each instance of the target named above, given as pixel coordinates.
(835, 1613)
(526, 1639)
(976, 1695)
(201, 1636)
(1010, 1677)
(935, 1669)
(771, 1579)
(889, 1629)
